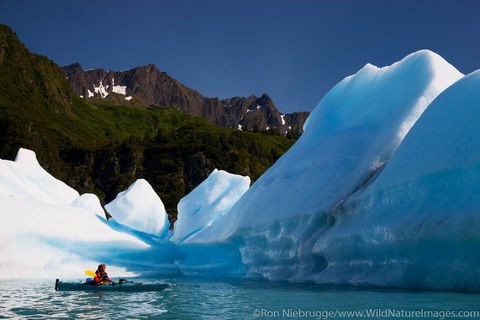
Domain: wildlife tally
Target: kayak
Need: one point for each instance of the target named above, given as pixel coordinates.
(121, 287)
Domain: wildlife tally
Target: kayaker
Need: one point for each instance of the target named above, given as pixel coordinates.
(102, 276)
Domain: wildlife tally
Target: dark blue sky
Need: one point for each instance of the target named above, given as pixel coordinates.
(293, 50)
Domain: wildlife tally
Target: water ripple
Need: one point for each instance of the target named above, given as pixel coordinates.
(209, 299)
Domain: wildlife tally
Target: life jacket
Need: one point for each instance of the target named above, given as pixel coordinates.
(101, 277)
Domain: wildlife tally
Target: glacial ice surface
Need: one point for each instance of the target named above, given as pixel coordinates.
(90, 202)
(418, 224)
(209, 201)
(140, 208)
(24, 178)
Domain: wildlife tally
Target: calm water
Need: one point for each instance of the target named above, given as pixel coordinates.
(225, 299)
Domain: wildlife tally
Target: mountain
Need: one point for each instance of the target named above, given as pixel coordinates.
(146, 85)
(103, 148)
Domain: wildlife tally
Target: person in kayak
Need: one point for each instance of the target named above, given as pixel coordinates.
(102, 276)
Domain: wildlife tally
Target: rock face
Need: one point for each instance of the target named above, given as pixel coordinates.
(146, 85)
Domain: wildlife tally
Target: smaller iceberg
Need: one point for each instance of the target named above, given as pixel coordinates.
(209, 201)
(140, 208)
(47, 230)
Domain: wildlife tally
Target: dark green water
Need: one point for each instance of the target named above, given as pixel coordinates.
(224, 299)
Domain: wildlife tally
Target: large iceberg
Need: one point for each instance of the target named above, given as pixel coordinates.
(418, 224)
(348, 139)
(140, 208)
(209, 201)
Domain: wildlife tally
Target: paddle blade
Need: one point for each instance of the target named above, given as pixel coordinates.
(90, 273)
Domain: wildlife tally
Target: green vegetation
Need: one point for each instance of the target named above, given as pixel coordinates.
(103, 148)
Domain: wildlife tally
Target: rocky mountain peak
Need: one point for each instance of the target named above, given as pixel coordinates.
(265, 99)
(147, 85)
(75, 67)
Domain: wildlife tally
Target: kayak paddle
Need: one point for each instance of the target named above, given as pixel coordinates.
(90, 273)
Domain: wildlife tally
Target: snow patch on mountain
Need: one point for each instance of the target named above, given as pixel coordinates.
(101, 90)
